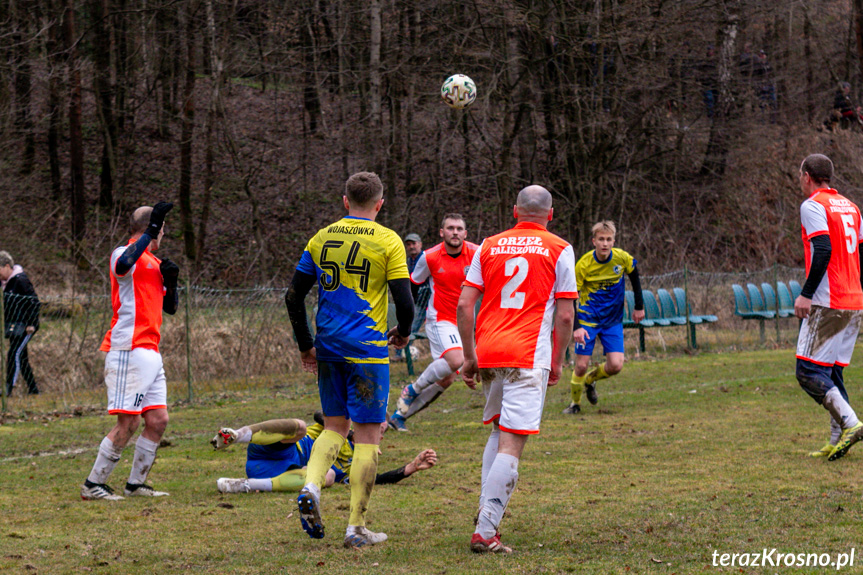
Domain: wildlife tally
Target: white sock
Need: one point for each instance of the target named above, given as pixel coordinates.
(840, 409)
(145, 455)
(436, 371)
(488, 455)
(106, 461)
(423, 400)
(244, 434)
(500, 483)
(835, 431)
(314, 489)
(260, 484)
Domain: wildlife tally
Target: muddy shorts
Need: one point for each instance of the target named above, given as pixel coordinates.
(514, 397)
(358, 391)
(827, 336)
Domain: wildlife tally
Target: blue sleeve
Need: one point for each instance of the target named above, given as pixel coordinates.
(307, 265)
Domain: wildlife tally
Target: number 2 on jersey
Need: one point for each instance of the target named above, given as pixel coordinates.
(509, 297)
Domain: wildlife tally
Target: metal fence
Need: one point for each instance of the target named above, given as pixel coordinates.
(227, 341)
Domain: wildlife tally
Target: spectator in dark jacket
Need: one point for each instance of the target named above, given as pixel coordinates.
(21, 320)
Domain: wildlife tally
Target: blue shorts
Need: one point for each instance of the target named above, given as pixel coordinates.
(268, 461)
(358, 391)
(610, 336)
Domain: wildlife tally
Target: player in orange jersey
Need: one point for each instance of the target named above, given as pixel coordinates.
(830, 302)
(142, 287)
(446, 264)
(527, 280)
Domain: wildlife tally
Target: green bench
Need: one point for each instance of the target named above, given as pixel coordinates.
(666, 313)
(749, 303)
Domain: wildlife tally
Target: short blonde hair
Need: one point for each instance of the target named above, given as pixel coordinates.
(604, 226)
(6, 259)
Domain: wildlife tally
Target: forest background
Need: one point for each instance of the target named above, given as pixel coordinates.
(684, 121)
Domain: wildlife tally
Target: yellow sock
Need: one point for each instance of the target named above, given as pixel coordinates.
(324, 452)
(364, 468)
(292, 480)
(275, 430)
(577, 386)
(601, 373)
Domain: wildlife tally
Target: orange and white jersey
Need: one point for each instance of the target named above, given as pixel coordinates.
(827, 212)
(447, 274)
(137, 301)
(521, 272)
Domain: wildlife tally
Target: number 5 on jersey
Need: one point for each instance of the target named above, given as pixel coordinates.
(331, 280)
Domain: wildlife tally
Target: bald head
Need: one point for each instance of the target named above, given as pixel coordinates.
(533, 202)
(140, 220)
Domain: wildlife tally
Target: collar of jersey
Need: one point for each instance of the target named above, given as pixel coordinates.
(596, 259)
(823, 190)
(356, 218)
(528, 225)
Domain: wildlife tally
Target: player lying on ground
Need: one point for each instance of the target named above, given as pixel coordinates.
(279, 451)
(599, 314)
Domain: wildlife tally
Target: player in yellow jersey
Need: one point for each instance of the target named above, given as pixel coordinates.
(353, 260)
(599, 314)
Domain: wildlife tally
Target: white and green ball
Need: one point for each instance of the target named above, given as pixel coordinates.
(458, 91)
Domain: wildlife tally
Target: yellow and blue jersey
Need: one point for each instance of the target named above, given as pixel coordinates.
(601, 287)
(353, 259)
(265, 461)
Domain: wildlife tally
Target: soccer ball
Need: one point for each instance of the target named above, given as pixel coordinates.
(458, 91)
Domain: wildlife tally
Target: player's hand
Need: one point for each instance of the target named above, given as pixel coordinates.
(802, 306)
(310, 360)
(469, 371)
(638, 315)
(30, 330)
(157, 218)
(424, 460)
(580, 335)
(554, 375)
(170, 273)
(396, 340)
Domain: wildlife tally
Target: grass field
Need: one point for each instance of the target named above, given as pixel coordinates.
(681, 458)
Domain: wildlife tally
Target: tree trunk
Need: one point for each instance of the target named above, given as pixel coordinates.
(99, 15)
(77, 194)
(375, 84)
(185, 191)
(858, 19)
(311, 100)
(21, 16)
(53, 46)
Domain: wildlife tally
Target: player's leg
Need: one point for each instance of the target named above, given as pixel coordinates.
(838, 378)
(368, 392)
(121, 384)
(154, 411)
(583, 351)
(445, 344)
(845, 341)
(612, 345)
(263, 433)
(332, 387)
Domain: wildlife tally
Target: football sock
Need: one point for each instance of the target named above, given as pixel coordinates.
(488, 455)
(436, 371)
(106, 461)
(145, 455)
(576, 387)
(500, 483)
(325, 450)
(363, 471)
(292, 480)
(275, 430)
(244, 434)
(839, 408)
(835, 431)
(424, 399)
(601, 373)
(266, 485)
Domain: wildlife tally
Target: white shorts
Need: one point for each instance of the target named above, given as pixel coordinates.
(135, 381)
(515, 397)
(827, 336)
(443, 336)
